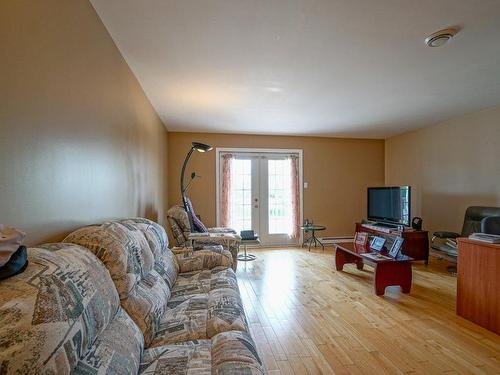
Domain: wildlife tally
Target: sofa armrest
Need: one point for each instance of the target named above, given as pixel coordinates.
(203, 260)
(221, 230)
(444, 234)
(182, 250)
(191, 249)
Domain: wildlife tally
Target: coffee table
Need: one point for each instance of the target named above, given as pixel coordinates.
(388, 271)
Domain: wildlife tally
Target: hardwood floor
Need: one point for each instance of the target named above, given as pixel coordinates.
(307, 318)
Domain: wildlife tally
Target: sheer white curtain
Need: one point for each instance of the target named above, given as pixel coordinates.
(225, 205)
(295, 195)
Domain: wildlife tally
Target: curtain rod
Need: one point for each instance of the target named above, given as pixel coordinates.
(259, 153)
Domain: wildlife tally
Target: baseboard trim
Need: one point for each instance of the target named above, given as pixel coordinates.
(333, 240)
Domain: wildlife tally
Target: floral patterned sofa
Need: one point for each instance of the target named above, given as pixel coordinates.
(113, 299)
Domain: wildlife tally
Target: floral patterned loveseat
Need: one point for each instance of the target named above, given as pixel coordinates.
(113, 299)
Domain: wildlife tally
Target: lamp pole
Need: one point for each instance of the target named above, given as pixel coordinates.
(200, 147)
(183, 190)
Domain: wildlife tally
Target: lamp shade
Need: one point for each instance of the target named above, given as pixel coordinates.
(201, 147)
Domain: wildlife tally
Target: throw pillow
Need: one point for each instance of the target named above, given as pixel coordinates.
(197, 223)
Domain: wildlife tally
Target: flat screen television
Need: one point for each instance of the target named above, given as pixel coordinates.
(389, 205)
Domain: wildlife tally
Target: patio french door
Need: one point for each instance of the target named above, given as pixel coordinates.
(260, 196)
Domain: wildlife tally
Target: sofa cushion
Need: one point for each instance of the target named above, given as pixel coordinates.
(120, 252)
(126, 254)
(201, 316)
(225, 312)
(201, 282)
(184, 320)
(168, 268)
(154, 233)
(116, 351)
(230, 242)
(147, 303)
(179, 224)
(52, 314)
(191, 357)
(235, 353)
(227, 353)
(203, 259)
(165, 262)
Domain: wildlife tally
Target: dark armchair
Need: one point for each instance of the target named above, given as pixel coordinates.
(491, 225)
(446, 241)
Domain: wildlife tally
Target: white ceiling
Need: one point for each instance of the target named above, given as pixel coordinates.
(349, 68)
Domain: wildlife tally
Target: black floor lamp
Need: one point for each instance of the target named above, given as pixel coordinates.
(200, 147)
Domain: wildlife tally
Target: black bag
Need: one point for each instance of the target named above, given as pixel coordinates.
(16, 264)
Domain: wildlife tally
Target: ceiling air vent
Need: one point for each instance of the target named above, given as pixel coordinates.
(440, 37)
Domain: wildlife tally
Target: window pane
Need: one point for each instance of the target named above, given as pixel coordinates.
(247, 212)
(247, 197)
(241, 199)
(247, 181)
(237, 197)
(279, 197)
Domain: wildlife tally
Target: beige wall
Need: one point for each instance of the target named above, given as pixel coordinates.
(338, 172)
(79, 141)
(451, 166)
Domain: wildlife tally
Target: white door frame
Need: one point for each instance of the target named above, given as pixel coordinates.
(300, 152)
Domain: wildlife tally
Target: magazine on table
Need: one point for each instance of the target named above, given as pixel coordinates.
(483, 237)
(376, 256)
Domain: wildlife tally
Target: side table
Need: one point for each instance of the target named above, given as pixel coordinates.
(312, 239)
(246, 256)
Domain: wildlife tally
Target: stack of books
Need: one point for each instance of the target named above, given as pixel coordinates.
(483, 237)
(452, 243)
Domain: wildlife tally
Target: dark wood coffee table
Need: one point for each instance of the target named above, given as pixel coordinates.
(393, 271)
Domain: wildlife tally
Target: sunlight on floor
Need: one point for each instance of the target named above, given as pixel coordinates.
(307, 318)
(278, 280)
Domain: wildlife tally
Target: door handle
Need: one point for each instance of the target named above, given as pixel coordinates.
(256, 206)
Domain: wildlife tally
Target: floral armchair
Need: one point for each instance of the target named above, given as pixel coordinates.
(179, 224)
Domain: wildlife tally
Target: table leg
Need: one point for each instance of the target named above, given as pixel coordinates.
(390, 273)
(339, 259)
(406, 278)
(304, 243)
(318, 242)
(245, 257)
(315, 240)
(379, 283)
(307, 241)
(321, 243)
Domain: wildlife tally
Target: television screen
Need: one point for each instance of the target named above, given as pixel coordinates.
(389, 204)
